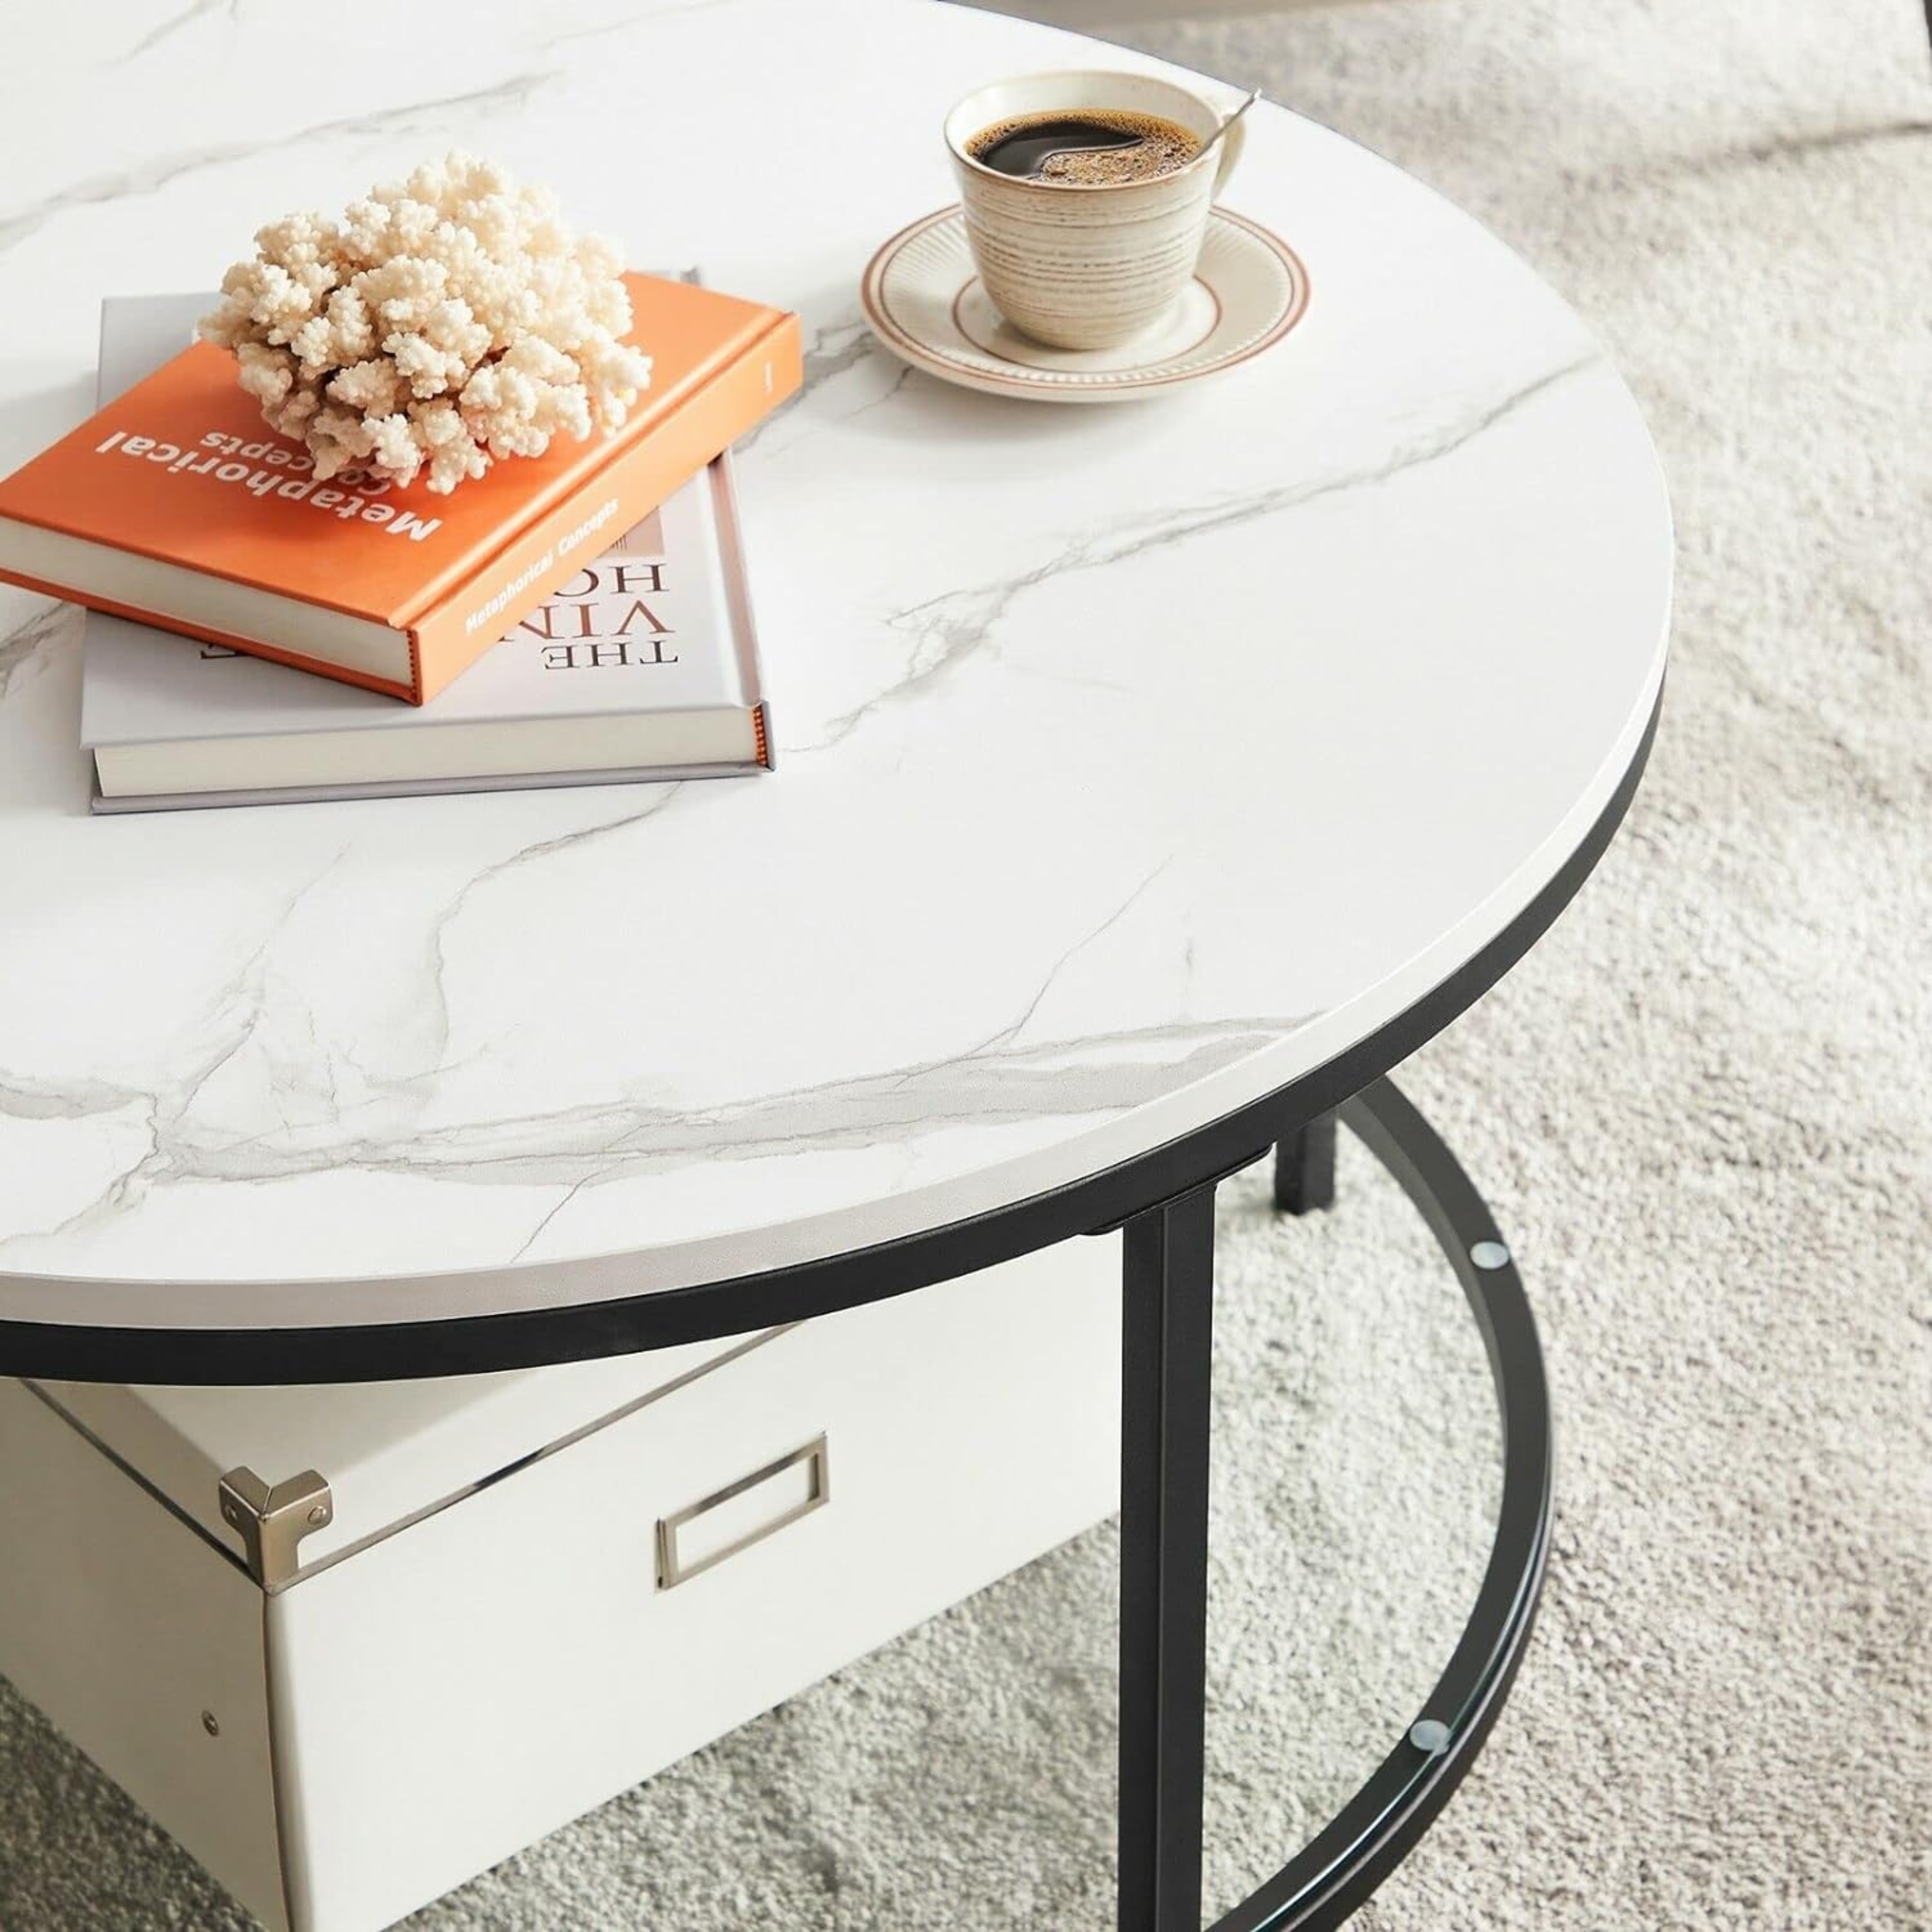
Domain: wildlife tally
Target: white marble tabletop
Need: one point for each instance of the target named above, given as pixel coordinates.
(1132, 761)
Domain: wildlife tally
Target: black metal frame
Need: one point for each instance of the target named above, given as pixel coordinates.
(1165, 1385)
(1167, 1330)
(1304, 1168)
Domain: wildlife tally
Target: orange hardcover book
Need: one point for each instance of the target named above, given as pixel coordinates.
(177, 505)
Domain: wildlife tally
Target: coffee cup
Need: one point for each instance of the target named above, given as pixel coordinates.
(1087, 264)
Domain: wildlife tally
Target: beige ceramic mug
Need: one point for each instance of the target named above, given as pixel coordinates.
(1088, 266)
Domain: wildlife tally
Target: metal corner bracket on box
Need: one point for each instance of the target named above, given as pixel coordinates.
(272, 1520)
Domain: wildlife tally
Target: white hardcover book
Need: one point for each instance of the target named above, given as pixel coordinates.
(644, 666)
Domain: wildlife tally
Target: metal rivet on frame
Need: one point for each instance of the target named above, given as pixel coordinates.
(210, 1723)
(1490, 1255)
(1430, 1734)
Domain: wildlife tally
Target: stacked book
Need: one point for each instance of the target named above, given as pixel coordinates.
(576, 618)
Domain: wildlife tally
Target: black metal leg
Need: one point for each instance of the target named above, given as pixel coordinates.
(1165, 1377)
(1304, 1163)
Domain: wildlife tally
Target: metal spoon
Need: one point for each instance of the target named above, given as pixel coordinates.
(1229, 122)
(1046, 161)
(1119, 147)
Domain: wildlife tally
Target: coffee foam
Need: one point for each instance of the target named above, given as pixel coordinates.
(1163, 146)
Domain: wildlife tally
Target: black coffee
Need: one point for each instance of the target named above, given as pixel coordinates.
(1084, 147)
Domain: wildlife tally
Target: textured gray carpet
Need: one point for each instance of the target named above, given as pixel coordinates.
(1701, 1108)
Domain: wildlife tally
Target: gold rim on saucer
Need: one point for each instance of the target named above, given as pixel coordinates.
(925, 301)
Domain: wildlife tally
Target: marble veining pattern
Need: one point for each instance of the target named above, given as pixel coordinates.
(1129, 765)
(947, 628)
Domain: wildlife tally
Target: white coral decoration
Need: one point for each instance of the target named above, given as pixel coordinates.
(439, 324)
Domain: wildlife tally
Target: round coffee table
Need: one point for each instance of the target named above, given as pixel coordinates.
(1152, 779)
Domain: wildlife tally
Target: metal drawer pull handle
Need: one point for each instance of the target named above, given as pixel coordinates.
(811, 1489)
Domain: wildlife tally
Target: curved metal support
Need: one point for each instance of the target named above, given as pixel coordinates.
(1162, 1688)
(1326, 1881)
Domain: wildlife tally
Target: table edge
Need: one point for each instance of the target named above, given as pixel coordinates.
(531, 1336)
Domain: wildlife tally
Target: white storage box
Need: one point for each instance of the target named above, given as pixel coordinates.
(352, 1645)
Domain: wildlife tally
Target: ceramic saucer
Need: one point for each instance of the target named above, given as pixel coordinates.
(926, 303)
